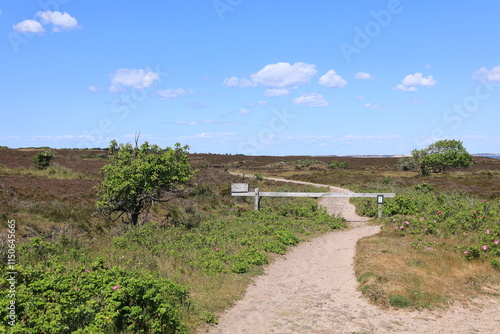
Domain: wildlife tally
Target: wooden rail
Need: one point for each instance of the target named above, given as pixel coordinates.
(241, 189)
(291, 194)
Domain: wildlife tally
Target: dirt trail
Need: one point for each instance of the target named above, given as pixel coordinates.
(312, 289)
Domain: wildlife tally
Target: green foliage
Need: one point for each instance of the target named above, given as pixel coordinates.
(140, 176)
(441, 155)
(259, 177)
(472, 253)
(232, 244)
(42, 160)
(306, 162)
(407, 164)
(186, 216)
(54, 299)
(421, 211)
(210, 318)
(301, 163)
(338, 165)
(399, 301)
(424, 187)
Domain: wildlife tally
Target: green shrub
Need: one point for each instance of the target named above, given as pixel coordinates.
(240, 267)
(95, 299)
(424, 187)
(42, 160)
(472, 253)
(338, 165)
(399, 301)
(407, 164)
(210, 318)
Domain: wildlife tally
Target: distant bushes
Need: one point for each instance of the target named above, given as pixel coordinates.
(42, 160)
(313, 164)
(338, 165)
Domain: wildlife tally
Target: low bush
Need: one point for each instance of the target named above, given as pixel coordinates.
(42, 160)
(338, 165)
(53, 299)
(399, 301)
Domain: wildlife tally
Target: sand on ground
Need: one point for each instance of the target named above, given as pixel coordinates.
(312, 289)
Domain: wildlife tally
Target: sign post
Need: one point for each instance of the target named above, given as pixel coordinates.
(380, 201)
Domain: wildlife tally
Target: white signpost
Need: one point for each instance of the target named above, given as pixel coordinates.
(241, 189)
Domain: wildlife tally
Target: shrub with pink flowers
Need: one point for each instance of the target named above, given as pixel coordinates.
(54, 299)
(415, 212)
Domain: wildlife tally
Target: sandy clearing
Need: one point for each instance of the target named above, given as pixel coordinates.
(312, 289)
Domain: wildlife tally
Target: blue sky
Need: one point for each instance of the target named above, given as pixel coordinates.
(252, 77)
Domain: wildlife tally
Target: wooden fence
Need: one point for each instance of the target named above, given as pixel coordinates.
(241, 189)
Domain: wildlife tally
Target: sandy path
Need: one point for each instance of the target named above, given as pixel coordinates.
(312, 289)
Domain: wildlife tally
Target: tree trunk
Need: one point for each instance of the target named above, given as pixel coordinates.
(134, 218)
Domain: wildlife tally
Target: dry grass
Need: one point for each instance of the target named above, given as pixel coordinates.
(430, 275)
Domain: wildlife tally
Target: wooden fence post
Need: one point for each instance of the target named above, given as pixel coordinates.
(257, 199)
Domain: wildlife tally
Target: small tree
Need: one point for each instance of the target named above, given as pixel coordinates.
(442, 155)
(139, 176)
(42, 160)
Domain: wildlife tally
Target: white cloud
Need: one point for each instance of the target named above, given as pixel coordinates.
(132, 78)
(276, 92)
(29, 26)
(311, 100)
(360, 98)
(194, 122)
(208, 135)
(492, 75)
(363, 76)
(94, 89)
(243, 112)
(411, 81)
(263, 103)
(235, 82)
(405, 88)
(280, 76)
(332, 79)
(350, 138)
(284, 75)
(371, 106)
(168, 94)
(60, 21)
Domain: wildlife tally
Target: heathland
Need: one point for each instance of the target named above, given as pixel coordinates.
(191, 257)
